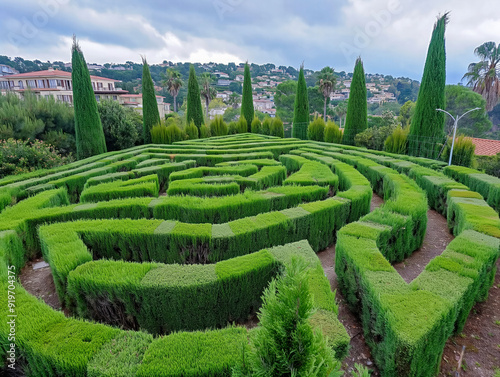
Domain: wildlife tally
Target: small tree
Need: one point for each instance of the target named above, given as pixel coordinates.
(256, 126)
(207, 91)
(218, 127)
(192, 131)
(88, 128)
(150, 113)
(301, 108)
(326, 84)
(277, 128)
(316, 129)
(194, 109)
(357, 107)
(247, 110)
(332, 133)
(173, 82)
(266, 126)
(285, 344)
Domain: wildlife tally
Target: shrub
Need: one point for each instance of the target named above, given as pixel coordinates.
(285, 341)
(162, 134)
(332, 134)
(489, 164)
(204, 131)
(218, 127)
(463, 151)
(277, 128)
(374, 137)
(192, 131)
(232, 128)
(316, 129)
(120, 131)
(242, 125)
(256, 126)
(266, 126)
(18, 157)
(397, 142)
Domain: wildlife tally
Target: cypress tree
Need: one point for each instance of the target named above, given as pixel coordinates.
(88, 127)
(427, 126)
(194, 109)
(301, 108)
(357, 107)
(247, 110)
(150, 114)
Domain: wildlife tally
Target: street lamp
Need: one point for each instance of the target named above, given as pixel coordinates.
(455, 126)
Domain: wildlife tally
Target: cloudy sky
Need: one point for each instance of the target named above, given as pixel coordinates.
(391, 36)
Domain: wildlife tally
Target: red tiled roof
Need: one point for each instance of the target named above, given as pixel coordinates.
(52, 73)
(138, 95)
(486, 147)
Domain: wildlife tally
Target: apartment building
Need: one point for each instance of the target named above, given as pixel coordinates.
(134, 101)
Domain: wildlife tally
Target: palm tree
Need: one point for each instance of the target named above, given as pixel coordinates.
(173, 82)
(341, 111)
(326, 83)
(207, 91)
(484, 77)
(234, 100)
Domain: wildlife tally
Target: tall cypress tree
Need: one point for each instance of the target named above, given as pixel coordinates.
(427, 125)
(150, 113)
(88, 127)
(301, 108)
(194, 109)
(247, 110)
(357, 107)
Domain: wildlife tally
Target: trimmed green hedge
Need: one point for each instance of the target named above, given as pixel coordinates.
(139, 187)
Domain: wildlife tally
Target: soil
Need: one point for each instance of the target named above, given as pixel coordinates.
(481, 335)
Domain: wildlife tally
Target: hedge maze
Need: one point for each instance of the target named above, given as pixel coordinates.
(160, 251)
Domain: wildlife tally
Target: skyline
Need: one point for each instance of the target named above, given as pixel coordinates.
(391, 36)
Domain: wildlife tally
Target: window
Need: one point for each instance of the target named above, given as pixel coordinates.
(31, 84)
(4, 85)
(60, 83)
(110, 86)
(41, 83)
(97, 98)
(52, 83)
(93, 85)
(59, 97)
(99, 85)
(21, 85)
(115, 98)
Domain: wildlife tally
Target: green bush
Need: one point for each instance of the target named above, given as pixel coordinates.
(218, 127)
(204, 131)
(192, 131)
(232, 128)
(489, 164)
(266, 125)
(332, 134)
(277, 128)
(19, 157)
(242, 125)
(397, 142)
(120, 125)
(256, 126)
(162, 134)
(463, 151)
(316, 129)
(373, 137)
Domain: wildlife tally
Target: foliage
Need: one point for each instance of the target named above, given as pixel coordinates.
(194, 109)
(301, 108)
(207, 91)
(374, 137)
(326, 83)
(247, 110)
(463, 151)
(285, 344)
(277, 128)
(406, 113)
(397, 142)
(484, 77)
(163, 134)
(340, 111)
(218, 127)
(256, 126)
(316, 129)
(489, 164)
(460, 99)
(204, 131)
(119, 125)
(284, 100)
(88, 128)
(173, 82)
(18, 156)
(266, 125)
(234, 100)
(356, 118)
(242, 125)
(191, 131)
(332, 134)
(150, 113)
(426, 130)
(231, 114)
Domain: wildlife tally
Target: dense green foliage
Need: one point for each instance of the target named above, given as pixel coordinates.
(192, 131)
(150, 113)
(89, 134)
(247, 110)
(277, 128)
(162, 134)
(266, 125)
(356, 118)
(316, 129)
(218, 127)
(397, 142)
(332, 134)
(194, 110)
(463, 151)
(122, 126)
(426, 130)
(301, 108)
(256, 126)
(326, 85)
(374, 137)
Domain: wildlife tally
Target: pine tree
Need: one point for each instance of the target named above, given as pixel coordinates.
(247, 109)
(194, 109)
(301, 108)
(357, 108)
(88, 127)
(150, 114)
(427, 126)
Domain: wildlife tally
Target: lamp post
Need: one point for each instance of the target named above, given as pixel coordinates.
(455, 126)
